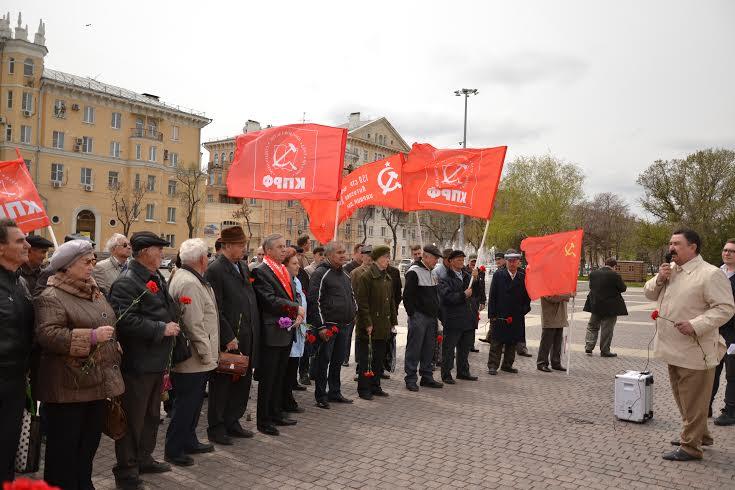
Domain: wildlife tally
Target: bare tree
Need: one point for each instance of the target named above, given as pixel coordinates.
(394, 218)
(126, 204)
(191, 193)
(363, 216)
(443, 226)
(243, 213)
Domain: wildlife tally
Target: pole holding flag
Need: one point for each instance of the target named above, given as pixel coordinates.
(569, 338)
(482, 246)
(418, 225)
(336, 222)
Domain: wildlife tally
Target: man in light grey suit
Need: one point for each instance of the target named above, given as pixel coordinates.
(106, 271)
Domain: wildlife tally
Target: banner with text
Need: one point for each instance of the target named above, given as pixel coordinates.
(19, 198)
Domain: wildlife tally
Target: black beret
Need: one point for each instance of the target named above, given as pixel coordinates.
(36, 241)
(145, 239)
(455, 254)
(433, 251)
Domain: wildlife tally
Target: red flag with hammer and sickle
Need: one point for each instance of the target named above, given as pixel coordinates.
(298, 161)
(462, 181)
(19, 199)
(374, 184)
(553, 263)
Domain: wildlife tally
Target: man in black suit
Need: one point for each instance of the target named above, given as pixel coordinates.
(605, 303)
(276, 294)
(727, 331)
(239, 325)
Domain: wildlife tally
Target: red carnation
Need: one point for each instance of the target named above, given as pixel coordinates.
(335, 330)
(28, 484)
(654, 315)
(311, 338)
(251, 279)
(328, 333)
(440, 339)
(368, 374)
(185, 300)
(482, 268)
(152, 286)
(509, 320)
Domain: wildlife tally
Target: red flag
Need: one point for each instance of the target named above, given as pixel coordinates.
(553, 263)
(375, 184)
(288, 162)
(19, 199)
(462, 181)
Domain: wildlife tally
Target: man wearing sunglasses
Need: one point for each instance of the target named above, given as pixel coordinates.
(727, 331)
(106, 271)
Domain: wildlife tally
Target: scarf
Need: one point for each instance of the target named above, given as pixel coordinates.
(281, 274)
(82, 289)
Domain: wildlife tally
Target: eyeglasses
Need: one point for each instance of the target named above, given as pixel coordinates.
(125, 245)
(90, 262)
(728, 250)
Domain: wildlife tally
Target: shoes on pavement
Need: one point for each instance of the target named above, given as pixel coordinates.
(339, 399)
(509, 369)
(431, 383)
(724, 419)
(268, 429)
(484, 340)
(467, 377)
(492, 371)
(346, 364)
(544, 369)
(558, 368)
(304, 380)
(474, 350)
(298, 387)
(679, 455)
(677, 442)
(380, 393)
(200, 448)
(608, 354)
(183, 460)
(366, 396)
(322, 404)
(449, 380)
(284, 422)
(412, 387)
(588, 352)
(296, 409)
(237, 430)
(221, 439)
(129, 483)
(357, 377)
(154, 466)
(525, 353)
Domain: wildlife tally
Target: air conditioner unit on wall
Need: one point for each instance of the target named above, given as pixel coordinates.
(2, 120)
(88, 187)
(75, 107)
(27, 113)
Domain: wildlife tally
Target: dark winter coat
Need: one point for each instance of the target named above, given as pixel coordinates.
(458, 311)
(508, 298)
(605, 298)
(16, 330)
(273, 301)
(375, 304)
(330, 297)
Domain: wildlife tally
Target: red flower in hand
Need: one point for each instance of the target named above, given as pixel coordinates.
(509, 320)
(368, 374)
(185, 300)
(482, 268)
(440, 338)
(310, 338)
(335, 330)
(251, 279)
(328, 333)
(152, 287)
(654, 315)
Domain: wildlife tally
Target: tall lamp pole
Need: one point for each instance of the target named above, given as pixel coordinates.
(466, 92)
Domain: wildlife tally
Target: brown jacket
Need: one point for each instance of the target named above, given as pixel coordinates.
(554, 311)
(66, 313)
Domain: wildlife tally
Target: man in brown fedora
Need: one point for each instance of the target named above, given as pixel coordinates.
(239, 322)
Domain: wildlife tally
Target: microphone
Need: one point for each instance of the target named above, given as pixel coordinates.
(668, 257)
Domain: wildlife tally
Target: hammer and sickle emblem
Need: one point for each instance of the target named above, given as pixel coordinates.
(569, 250)
(391, 183)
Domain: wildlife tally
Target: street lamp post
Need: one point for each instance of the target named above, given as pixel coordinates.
(466, 92)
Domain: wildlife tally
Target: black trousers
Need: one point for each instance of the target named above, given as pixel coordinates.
(142, 404)
(72, 439)
(461, 341)
(271, 375)
(550, 346)
(728, 363)
(227, 401)
(181, 433)
(287, 399)
(367, 385)
(329, 358)
(12, 401)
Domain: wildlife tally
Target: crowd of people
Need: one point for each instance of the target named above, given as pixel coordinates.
(89, 332)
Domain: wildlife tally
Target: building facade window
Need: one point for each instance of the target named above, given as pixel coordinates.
(116, 120)
(174, 159)
(28, 164)
(216, 159)
(86, 176)
(222, 158)
(88, 114)
(150, 210)
(28, 67)
(210, 198)
(211, 178)
(26, 103)
(9, 132)
(253, 201)
(370, 231)
(10, 99)
(115, 149)
(11, 66)
(57, 172)
(151, 185)
(175, 133)
(137, 182)
(152, 152)
(382, 231)
(365, 155)
(113, 179)
(59, 108)
(87, 144)
(231, 155)
(138, 151)
(172, 188)
(348, 229)
(171, 239)
(290, 203)
(171, 215)
(219, 178)
(58, 140)
(25, 134)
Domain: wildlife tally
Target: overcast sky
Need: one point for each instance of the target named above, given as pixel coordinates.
(611, 86)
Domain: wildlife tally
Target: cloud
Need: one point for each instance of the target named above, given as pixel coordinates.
(526, 68)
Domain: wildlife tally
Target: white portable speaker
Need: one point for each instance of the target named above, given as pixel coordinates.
(634, 396)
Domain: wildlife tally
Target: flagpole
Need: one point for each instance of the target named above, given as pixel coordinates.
(479, 251)
(418, 225)
(53, 237)
(336, 222)
(569, 337)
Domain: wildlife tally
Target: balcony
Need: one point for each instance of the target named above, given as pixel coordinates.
(150, 134)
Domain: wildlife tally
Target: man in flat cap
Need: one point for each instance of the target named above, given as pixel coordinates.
(421, 300)
(499, 265)
(456, 294)
(146, 333)
(507, 307)
(36, 257)
(106, 271)
(365, 262)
